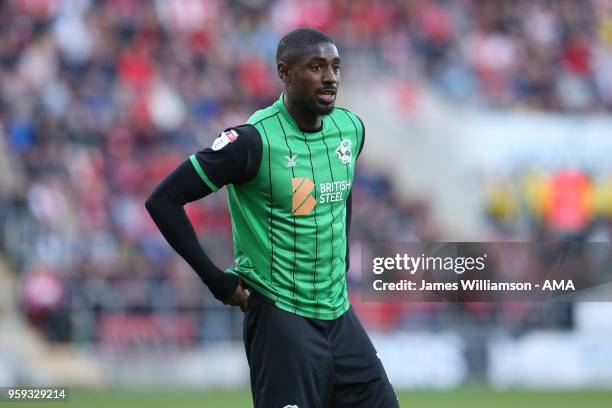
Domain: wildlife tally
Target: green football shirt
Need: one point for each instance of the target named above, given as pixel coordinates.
(287, 194)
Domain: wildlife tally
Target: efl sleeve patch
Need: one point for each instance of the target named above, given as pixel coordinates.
(224, 139)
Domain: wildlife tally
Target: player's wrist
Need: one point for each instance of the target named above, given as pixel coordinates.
(224, 286)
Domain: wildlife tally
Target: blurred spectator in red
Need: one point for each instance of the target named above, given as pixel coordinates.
(44, 296)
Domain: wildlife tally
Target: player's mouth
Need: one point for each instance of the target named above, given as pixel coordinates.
(326, 96)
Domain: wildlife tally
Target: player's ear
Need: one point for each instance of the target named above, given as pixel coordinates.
(283, 72)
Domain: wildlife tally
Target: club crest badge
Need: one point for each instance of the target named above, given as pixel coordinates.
(344, 152)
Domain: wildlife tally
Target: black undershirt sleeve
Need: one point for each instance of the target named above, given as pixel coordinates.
(363, 136)
(184, 185)
(349, 209)
(349, 201)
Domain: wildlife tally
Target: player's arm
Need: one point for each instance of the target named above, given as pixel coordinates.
(233, 161)
(362, 136)
(349, 211)
(165, 205)
(349, 200)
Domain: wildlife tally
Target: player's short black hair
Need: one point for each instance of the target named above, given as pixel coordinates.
(294, 44)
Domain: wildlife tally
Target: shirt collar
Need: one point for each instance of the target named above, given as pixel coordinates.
(280, 104)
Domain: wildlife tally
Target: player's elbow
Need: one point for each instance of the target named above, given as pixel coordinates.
(155, 203)
(151, 204)
(162, 200)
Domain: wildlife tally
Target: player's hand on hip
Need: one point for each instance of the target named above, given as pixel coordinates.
(240, 297)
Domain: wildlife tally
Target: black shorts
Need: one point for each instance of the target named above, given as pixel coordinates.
(296, 362)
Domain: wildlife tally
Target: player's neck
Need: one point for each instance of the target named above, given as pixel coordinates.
(305, 120)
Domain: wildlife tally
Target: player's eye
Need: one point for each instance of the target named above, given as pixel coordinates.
(336, 68)
(315, 68)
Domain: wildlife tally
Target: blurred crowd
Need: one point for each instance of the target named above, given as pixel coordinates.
(101, 99)
(564, 204)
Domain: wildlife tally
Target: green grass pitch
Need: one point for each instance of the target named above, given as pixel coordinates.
(462, 398)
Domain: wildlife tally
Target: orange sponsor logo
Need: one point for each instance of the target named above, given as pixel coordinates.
(302, 201)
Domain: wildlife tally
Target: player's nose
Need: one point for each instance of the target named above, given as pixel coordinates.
(329, 76)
